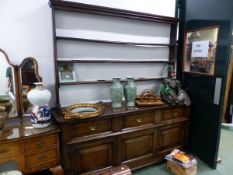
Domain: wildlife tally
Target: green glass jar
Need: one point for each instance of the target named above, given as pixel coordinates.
(130, 92)
(116, 93)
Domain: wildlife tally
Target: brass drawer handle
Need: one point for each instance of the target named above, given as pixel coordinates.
(40, 143)
(41, 158)
(2, 151)
(139, 120)
(175, 114)
(93, 128)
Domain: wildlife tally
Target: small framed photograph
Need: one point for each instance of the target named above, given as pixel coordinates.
(66, 73)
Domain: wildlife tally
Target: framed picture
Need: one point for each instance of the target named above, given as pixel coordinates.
(66, 73)
(199, 50)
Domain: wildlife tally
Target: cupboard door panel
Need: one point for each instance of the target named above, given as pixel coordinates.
(136, 147)
(92, 156)
(171, 137)
(97, 156)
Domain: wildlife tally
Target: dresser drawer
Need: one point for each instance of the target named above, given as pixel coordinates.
(40, 142)
(174, 113)
(41, 166)
(15, 160)
(138, 120)
(10, 149)
(88, 128)
(41, 157)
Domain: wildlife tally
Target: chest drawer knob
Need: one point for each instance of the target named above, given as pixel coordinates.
(139, 120)
(2, 151)
(40, 158)
(93, 128)
(40, 143)
(175, 114)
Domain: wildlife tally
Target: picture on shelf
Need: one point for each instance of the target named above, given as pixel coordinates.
(200, 50)
(66, 73)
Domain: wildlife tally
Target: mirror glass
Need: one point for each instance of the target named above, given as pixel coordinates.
(84, 109)
(28, 76)
(7, 86)
(200, 49)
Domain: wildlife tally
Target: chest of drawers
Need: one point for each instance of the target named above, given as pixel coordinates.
(136, 137)
(30, 149)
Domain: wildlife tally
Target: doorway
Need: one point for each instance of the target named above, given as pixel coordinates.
(228, 98)
(206, 93)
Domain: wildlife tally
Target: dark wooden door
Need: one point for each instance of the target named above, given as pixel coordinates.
(205, 119)
(206, 111)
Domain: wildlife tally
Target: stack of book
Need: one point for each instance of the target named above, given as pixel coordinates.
(181, 158)
(181, 163)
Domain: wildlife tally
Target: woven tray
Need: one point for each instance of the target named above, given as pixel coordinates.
(147, 98)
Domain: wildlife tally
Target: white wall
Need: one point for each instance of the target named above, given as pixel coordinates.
(26, 28)
(3, 66)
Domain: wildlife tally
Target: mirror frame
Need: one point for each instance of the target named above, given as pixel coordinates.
(16, 81)
(98, 110)
(188, 60)
(36, 66)
(38, 77)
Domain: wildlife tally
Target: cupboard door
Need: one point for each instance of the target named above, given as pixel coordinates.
(138, 147)
(171, 137)
(91, 156)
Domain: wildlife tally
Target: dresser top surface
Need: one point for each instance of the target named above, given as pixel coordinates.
(110, 112)
(17, 129)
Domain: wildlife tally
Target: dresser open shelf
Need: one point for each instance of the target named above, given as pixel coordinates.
(113, 61)
(102, 43)
(116, 42)
(108, 81)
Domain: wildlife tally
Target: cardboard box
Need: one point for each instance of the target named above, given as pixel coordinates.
(179, 170)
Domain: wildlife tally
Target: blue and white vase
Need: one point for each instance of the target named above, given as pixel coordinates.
(39, 98)
(116, 93)
(130, 92)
